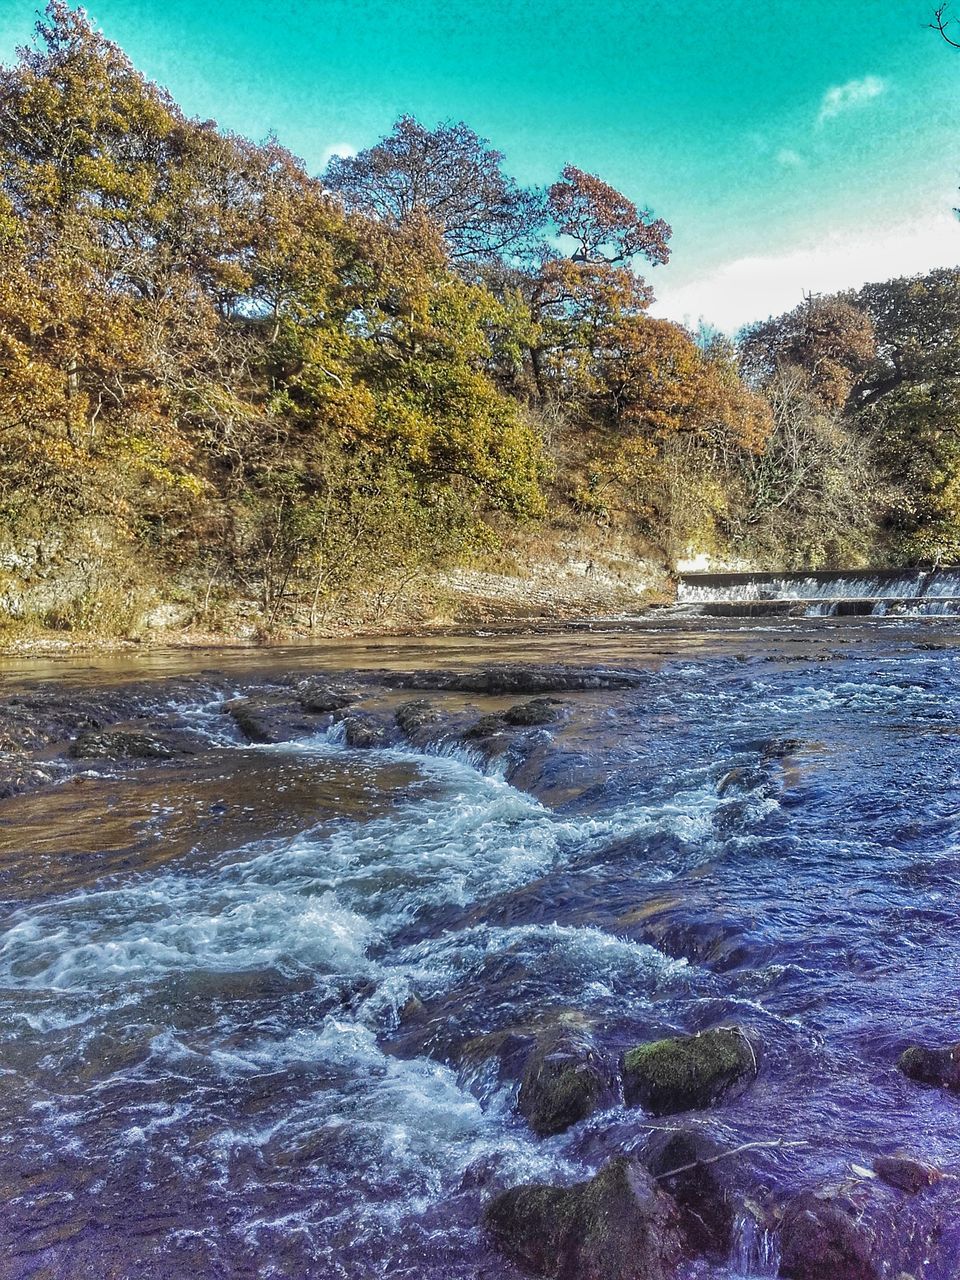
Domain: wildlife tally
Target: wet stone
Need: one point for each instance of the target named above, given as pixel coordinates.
(906, 1174)
(538, 711)
(520, 679)
(932, 1066)
(322, 696)
(270, 720)
(118, 745)
(705, 1179)
(417, 716)
(565, 1080)
(686, 1073)
(362, 732)
(485, 727)
(822, 1238)
(617, 1226)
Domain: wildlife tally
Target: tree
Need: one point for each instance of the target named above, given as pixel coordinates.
(831, 339)
(916, 320)
(810, 496)
(604, 225)
(450, 176)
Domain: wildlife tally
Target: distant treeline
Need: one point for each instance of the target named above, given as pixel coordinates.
(220, 375)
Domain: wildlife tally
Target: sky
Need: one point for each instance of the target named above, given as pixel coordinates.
(793, 145)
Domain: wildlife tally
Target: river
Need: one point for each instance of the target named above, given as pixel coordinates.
(236, 986)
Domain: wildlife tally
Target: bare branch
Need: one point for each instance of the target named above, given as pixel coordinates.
(940, 23)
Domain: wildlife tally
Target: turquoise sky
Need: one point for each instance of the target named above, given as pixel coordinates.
(792, 144)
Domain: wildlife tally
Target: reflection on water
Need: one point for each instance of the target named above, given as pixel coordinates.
(235, 990)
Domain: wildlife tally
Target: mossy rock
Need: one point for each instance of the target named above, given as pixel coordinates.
(688, 1073)
(932, 1066)
(564, 1081)
(617, 1226)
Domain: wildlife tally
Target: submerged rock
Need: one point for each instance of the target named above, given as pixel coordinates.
(906, 1174)
(564, 1081)
(617, 1226)
(686, 1073)
(117, 744)
(932, 1066)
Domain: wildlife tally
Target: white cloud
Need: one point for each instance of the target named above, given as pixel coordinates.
(753, 288)
(843, 97)
(337, 149)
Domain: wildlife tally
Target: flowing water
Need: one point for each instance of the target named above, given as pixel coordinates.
(235, 989)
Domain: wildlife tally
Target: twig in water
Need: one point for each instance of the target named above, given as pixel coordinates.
(778, 1143)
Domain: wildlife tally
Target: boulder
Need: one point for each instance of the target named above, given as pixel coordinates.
(686, 1073)
(536, 712)
(932, 1066)
(824, 1237)
(617, 1226)
(564, 1080)
(906, 1174)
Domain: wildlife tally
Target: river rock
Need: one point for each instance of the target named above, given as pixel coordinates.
(686, 1073)
(417, 718)
(932, 1066)
(320, 696)
(704, 1178)
(824, 1237)
(906, 1174)
(270, 719)
(118, 744)
(362, 732)
(536, 712)
(565, 1079)
(518, 679)
(617, 1226)
(485, 727)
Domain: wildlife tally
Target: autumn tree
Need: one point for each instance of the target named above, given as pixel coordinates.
(830, 339)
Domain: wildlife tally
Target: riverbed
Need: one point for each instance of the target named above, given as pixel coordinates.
(241, 986)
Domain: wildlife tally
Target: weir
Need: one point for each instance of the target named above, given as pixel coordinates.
(823, 593)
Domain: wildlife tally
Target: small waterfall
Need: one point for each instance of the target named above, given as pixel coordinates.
(823, 594)
(754, 1249)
